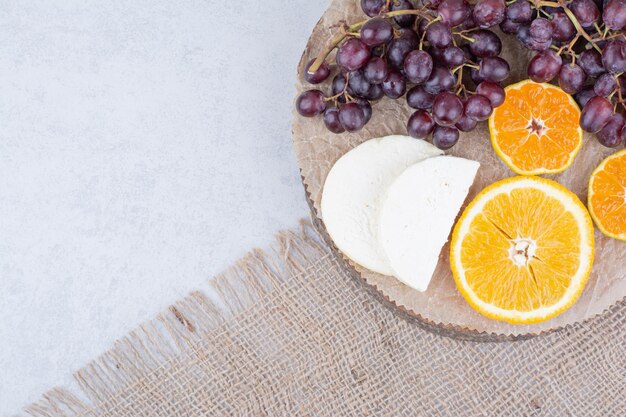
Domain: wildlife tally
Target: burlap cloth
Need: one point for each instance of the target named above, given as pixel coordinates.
(293, 333)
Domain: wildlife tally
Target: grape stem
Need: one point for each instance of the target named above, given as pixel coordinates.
(336, 40)
(571, 17)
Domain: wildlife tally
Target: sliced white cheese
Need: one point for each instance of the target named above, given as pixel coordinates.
(354, 192)
(419, 213)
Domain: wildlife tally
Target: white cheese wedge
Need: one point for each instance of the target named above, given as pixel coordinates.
(419, 213)
(355, 190)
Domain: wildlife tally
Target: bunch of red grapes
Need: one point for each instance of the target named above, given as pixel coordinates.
(582, 44)
(442, 56)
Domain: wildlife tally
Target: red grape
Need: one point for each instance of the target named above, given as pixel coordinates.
(375, 92)
(454, 12)
(485, 44)
(447, 109)
(420, 124)
(584, 95)
(520, 12)
(376, 70)
(476, 77)
(571, 78)
(439, 35)
(359, 86)
(351, 116)
(366, 107)
(509, 27)
(541, 30)
(489, 13)
(494, 92)
(322, 73)
(353, 54)
(494, 69)
(596, 114)
(311, 103)
(523, 35)
(585, 11)
(398, 50)
(418, 98)
(376, 32)
(406, 20)
(445, 137)
(591, 62)
(411, 36)
(614, 14)
(466, 124)
(544, 66)
(453, 56)
(478, 108)
(605, 85)
(338, 84)
(418, 66)
(564, 29)
(611, 134)
(372, 7)
(614, 57)
(394, 85)
(331, 120)
(441, 79)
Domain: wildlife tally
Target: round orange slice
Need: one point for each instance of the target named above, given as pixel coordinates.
(536, 130)
(522, 250)
(607, 196)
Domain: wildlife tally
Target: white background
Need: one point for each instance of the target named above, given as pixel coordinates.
(144, 147)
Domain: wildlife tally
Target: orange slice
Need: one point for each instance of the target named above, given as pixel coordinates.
(607, 196)
(536, 130)
(522, 250)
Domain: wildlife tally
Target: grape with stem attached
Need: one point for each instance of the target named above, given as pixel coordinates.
(485, 44)
(431, 57)
(439, 35)
(494, 69)
(376, 32)
(454, 12)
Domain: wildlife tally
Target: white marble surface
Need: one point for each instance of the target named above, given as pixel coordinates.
(144, 146)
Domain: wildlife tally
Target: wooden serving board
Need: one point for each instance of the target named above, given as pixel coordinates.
(442, 305)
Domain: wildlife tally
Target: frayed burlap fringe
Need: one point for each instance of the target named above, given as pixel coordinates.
(177, 333)
(291, 333)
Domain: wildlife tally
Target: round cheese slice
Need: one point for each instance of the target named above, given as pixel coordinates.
(418, 215)
(355, 190)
